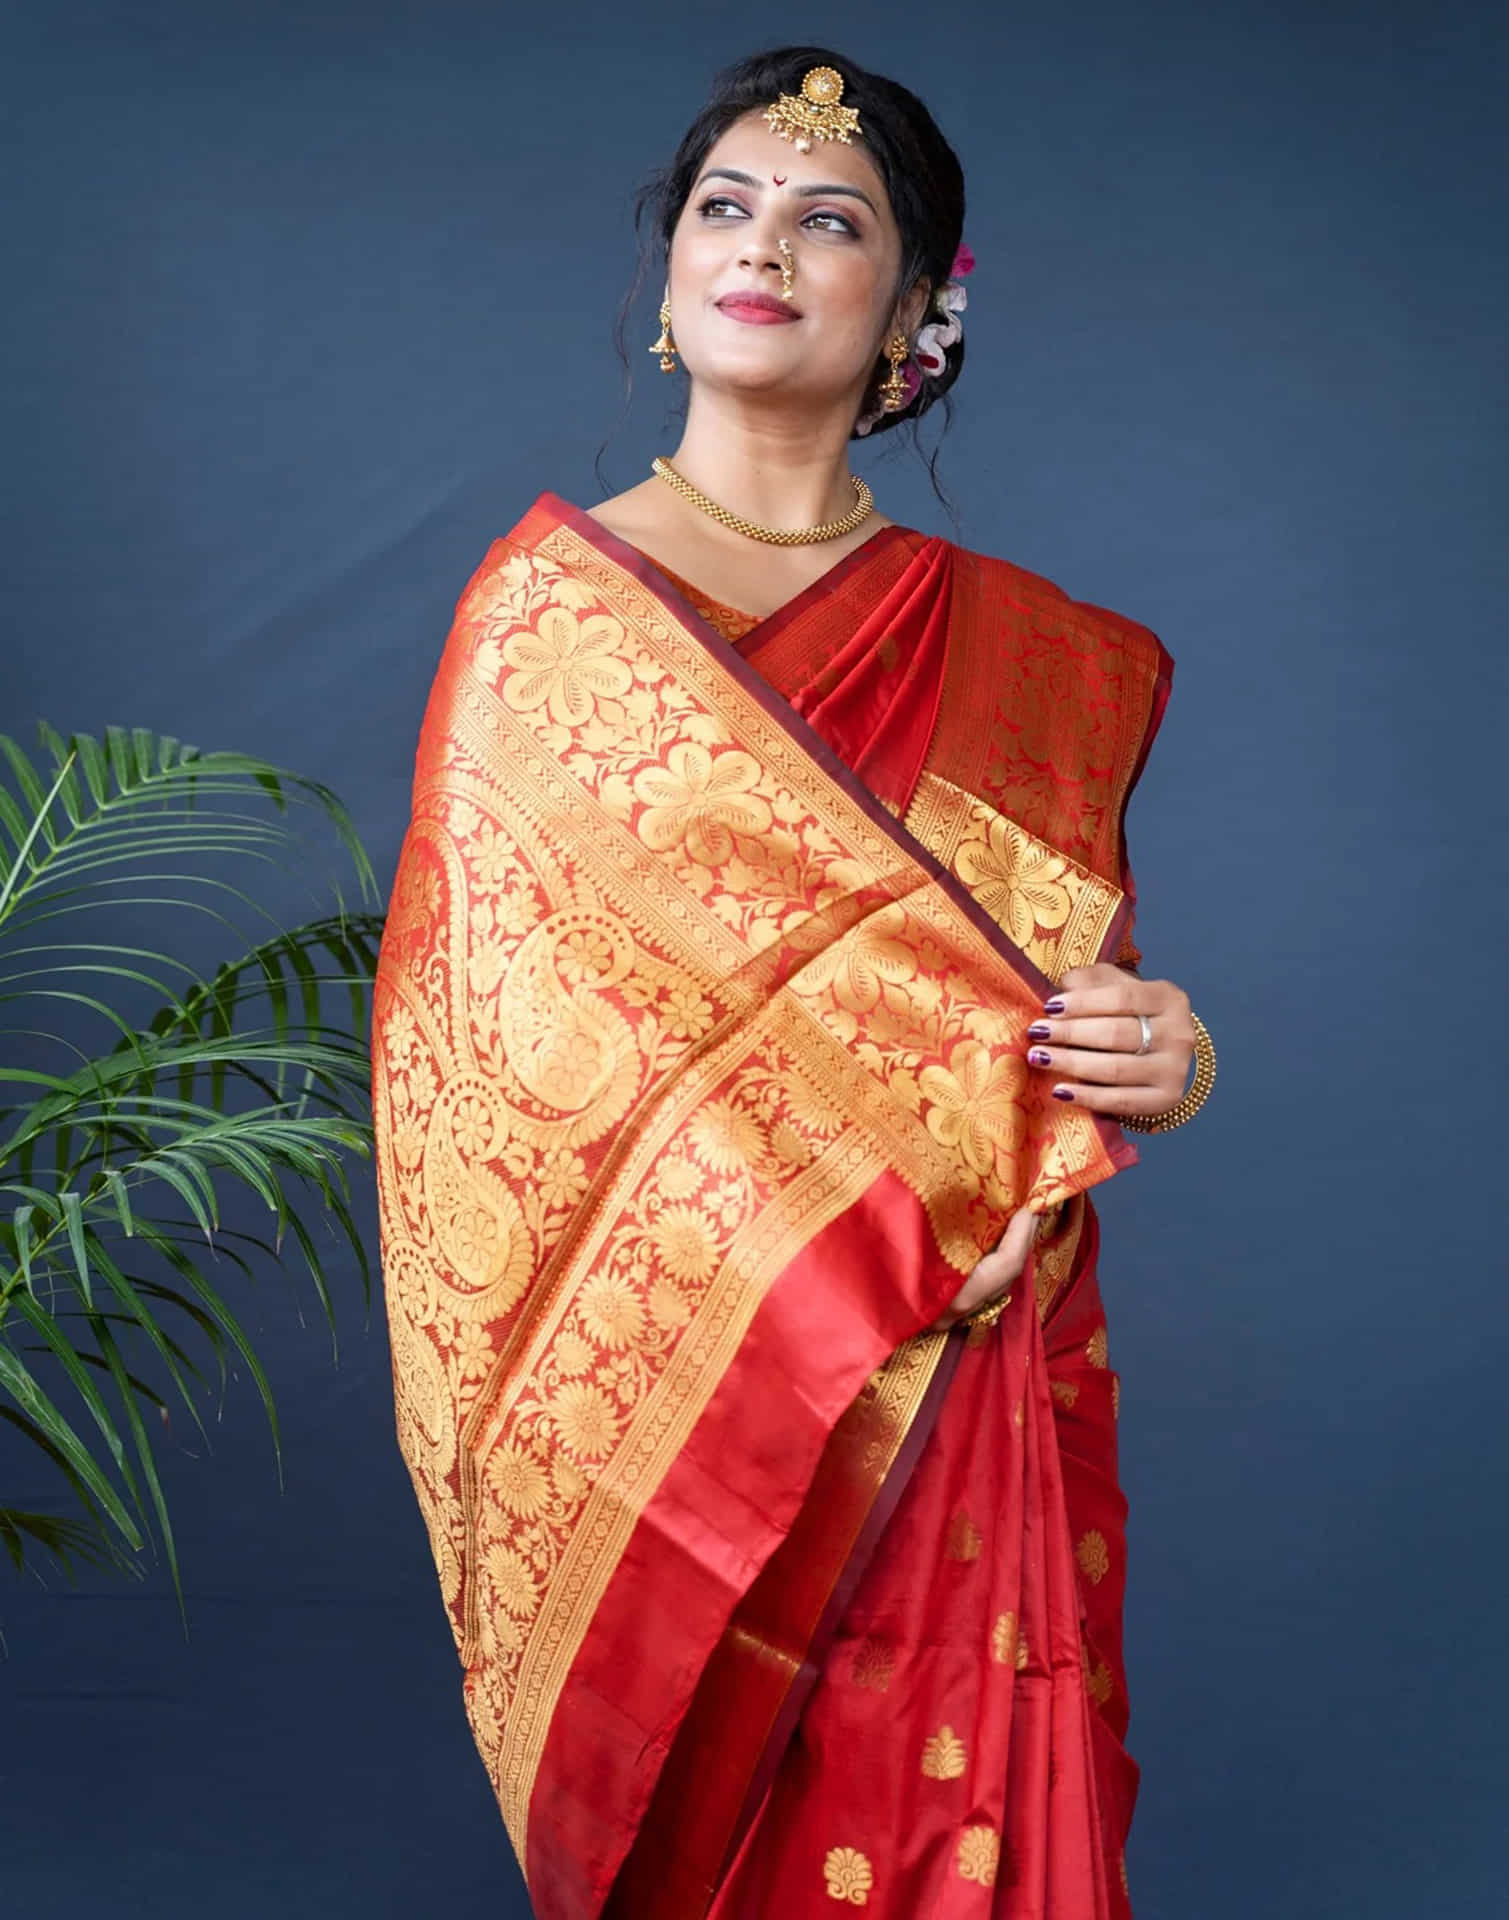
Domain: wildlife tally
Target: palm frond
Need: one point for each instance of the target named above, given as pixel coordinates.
(157, 1098)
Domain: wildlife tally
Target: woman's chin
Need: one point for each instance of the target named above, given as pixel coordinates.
(754, 377)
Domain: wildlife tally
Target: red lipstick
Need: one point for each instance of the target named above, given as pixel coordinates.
(757, 309)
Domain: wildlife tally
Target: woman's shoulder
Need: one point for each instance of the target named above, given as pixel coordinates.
(1053, 611)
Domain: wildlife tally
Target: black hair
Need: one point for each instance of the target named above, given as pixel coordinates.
(922, 177)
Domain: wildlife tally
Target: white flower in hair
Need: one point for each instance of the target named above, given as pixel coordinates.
(929, 355)
(934, 340)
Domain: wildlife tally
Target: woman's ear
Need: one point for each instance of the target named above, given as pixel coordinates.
(913, 308)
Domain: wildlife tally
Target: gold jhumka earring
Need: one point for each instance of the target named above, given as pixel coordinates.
(893, 387)
(665, 346)
(788, 268)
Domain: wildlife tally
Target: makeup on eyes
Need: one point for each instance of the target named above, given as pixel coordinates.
(845, 224)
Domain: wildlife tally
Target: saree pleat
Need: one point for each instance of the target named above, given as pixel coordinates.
(699, 1087)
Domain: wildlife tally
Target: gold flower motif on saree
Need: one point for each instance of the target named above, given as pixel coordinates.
(586, 1422)
(611, 1311)
(680, 1236)
(944, 1756)
(701, 801)
(1094, 1556)
(513, 1583)
(725, 1137)
(848, 1875)
(1055, 908)
(975, 1102)
(1097, 1348)
(566, 665)
(1017, 880)
(963, 1540)
(1003, 1639)
(518, 1481)
(859, 968)
(873, 1663)
(978, 1855)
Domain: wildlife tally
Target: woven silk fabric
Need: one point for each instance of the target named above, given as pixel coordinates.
(699, 1083)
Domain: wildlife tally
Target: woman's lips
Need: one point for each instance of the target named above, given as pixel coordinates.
(756, 312)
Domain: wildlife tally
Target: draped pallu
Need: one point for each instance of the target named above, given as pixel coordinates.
(699, 1085)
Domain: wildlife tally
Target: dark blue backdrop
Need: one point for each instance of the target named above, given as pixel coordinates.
(306, 303)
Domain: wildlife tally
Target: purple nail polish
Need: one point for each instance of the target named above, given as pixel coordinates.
(1053, 1006)
(1063, 1093)
(1039, 1030)
(1039, 1057)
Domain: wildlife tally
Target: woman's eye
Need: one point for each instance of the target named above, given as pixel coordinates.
(840, 224)
(719, 200)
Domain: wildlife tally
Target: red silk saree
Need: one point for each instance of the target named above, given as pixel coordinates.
(699, 1084)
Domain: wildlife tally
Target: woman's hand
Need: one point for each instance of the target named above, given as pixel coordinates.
(1088, 1035)
(1088, 1039)
(995, 1272)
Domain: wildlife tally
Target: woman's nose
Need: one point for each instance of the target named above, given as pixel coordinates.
(762, 245)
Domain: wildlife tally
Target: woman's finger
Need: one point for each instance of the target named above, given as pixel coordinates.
(1116, 1069)
(1112, 1033)
(993, 1272)
(1102, 990)
(1115, 1102)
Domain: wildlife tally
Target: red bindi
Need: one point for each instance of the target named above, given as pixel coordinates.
(779, 178)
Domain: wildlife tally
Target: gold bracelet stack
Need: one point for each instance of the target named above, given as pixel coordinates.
(1194, 1099)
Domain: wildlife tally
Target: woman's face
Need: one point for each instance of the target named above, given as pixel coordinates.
(753, 190)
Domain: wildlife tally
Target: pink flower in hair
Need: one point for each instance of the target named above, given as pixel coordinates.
(964, 262)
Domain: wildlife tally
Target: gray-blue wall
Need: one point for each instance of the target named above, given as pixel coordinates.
(304, 304)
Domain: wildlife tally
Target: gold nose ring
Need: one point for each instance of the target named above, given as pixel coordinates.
(788, 268)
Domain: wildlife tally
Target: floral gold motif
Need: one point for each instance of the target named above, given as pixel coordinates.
(848, 1876)
(702, 801)
(566, 666)
(943, 1755)
(1003, 1639)
(873, 1664)
(1094, 1556)
(1017, 880)
(978, 1854)
(1058, 910)
(963, 1542)
(1097, 1349)
(975, 1101)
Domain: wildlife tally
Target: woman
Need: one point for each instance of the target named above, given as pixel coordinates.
(755, 1012)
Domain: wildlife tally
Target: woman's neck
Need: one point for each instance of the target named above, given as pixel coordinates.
(783, 469)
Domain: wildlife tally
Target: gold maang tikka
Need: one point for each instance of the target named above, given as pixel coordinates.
(665, 346)
(815, 114)
(788, 268)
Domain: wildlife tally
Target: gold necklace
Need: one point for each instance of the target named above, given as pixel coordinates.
(864, 502)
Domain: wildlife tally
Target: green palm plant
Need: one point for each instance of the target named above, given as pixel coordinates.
(141, 1091)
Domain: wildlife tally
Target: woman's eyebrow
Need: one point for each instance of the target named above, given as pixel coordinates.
(810, 193)
(836, 187)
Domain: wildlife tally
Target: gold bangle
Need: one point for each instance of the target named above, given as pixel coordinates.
(1194, 1099)
(987, 1315)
